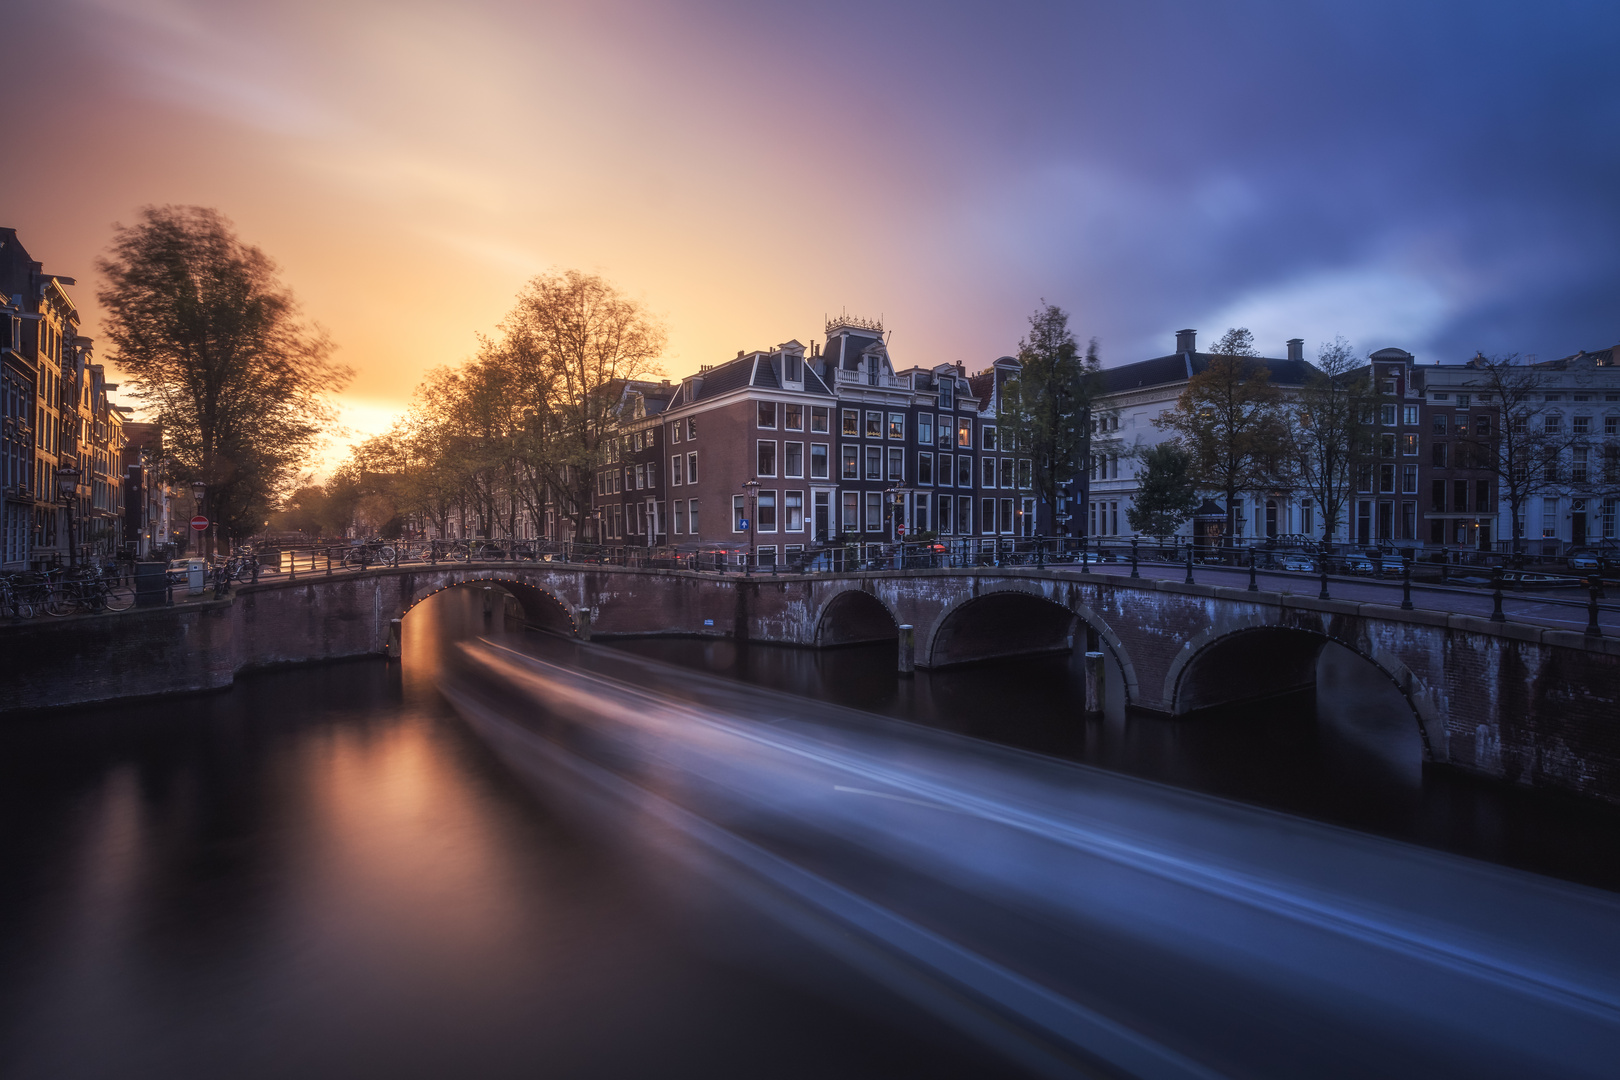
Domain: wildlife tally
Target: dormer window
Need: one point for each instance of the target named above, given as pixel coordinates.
(947, 392)
(793, 367)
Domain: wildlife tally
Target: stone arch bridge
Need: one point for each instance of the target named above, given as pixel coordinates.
(1511, 700)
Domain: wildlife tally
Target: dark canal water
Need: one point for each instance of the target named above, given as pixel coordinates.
(323, 873)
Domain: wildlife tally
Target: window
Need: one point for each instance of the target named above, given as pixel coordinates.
(793, 459)
(1482, 425)
(874, 425)
(820, 419)
(675, 432)
(897, 463)
(1386, 415)
(964, 471)
(1552, 397)
(1459, 496)
(739, 514)
(1610, 507)
(680, 514)
(1408, 521)
(1307, 516)
(1386, 444)
(897, 425)
(1409, 445)
(1482, 496)
(1409, 479)
(964, 515)
(925, 429)
(618, 520)
(793, 417)
(1439, 423)
(1611, 425)
(1437, 455)
(1026, 473)
(1550, 471)
(1552, 425)
(766, 511)
(793, 511)
(925, 469)
(638, 441)
(1007, 520)
(849, 455)
(1577, 472)
(944, 429)
(852, 511)
(964, 434)
(1409, 415)
(947, 392)
(987, 472)
(1580, 425)
(874, 463)
(1386, 478)
(1442, 397)
(691, 428)
(652, 474)
(767, 414)
(874, 512)
(1549, 518)
(765, 461)
(921, 520)
(988, 441)
(1006, 472)
(945, 473)
(641, 478)
(852, 423)
(793, 368)
(691, 467)
(987, 516)
(1462, 401)
(818, 461)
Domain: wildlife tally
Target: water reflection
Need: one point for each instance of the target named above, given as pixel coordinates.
(322, 873)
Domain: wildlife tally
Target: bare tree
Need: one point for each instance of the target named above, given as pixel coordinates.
(1229, 420)
(1333, 430)
(214, 345)
(1525, 446)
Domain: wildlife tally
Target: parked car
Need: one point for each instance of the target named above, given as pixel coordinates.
(1301, 563)
(1357, 564)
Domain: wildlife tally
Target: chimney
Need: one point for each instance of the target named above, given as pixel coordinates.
(1296, 348)
(1186, 341)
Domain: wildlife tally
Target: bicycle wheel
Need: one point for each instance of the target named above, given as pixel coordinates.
(118, 596)
(59, 604)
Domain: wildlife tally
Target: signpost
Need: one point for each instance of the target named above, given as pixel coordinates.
(199, 523)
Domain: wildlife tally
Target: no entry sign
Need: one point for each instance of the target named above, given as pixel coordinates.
(199, 523)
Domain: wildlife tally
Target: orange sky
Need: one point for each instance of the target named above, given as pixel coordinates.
(746, 168)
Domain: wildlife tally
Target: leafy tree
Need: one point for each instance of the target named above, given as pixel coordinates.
(1046, 410)
(1333, 429)
(214, 345)
(1229, 421)
(1168, 494)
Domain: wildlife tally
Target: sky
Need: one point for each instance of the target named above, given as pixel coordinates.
(1438, 177)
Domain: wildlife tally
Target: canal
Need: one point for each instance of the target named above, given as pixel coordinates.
(324, 872)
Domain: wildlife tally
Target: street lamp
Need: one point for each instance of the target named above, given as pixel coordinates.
(752, 487)
(199, 494)
(67, 489)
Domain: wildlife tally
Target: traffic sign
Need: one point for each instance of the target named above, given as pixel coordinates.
(199, 523)
(742, 524)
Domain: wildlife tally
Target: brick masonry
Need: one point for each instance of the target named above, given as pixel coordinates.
(1507, 700)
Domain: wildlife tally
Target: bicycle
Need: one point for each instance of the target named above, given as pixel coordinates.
(88, 591)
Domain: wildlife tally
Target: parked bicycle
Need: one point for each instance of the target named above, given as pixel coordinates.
(89, 590)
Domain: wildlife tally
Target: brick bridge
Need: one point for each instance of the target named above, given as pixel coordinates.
(1521, 702)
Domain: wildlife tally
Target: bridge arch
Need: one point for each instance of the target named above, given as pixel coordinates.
(854, 616)
(541, 607)
(1019, 620)
(1231, 665)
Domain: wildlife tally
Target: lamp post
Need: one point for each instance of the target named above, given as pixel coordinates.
(67, 488)
(199, 497)
(752, 503)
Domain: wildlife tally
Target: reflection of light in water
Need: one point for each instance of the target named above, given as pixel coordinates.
(944, 854)
(1355, 702)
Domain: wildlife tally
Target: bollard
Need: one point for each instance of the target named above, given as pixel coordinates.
(489, 600)
(1592, 627)
(1406, 586)
(1496, 596)
(1189, 580)
(395, 635)
(1096, 683)
(908, 661)
(1085, 554)
(1323, 595)
(1134, 572)
(1254, 586)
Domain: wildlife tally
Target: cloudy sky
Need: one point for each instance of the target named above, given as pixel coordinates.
(1441, 177)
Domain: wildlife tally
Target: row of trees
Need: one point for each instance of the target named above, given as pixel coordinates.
(1233, 431)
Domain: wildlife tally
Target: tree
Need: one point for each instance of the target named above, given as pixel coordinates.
(1046, 410)
(570, 345)
(1168, 494)
(1229, 422)
(1334, 430)
(214, 345)
(1523, 447)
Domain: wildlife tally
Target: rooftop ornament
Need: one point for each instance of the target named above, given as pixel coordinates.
(852, 322)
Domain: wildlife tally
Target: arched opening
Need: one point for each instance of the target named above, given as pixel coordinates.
(855, 617)
(536, 607)
(1251, 665)
(1002, 624)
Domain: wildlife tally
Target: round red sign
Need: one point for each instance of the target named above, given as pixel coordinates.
(199, 523)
